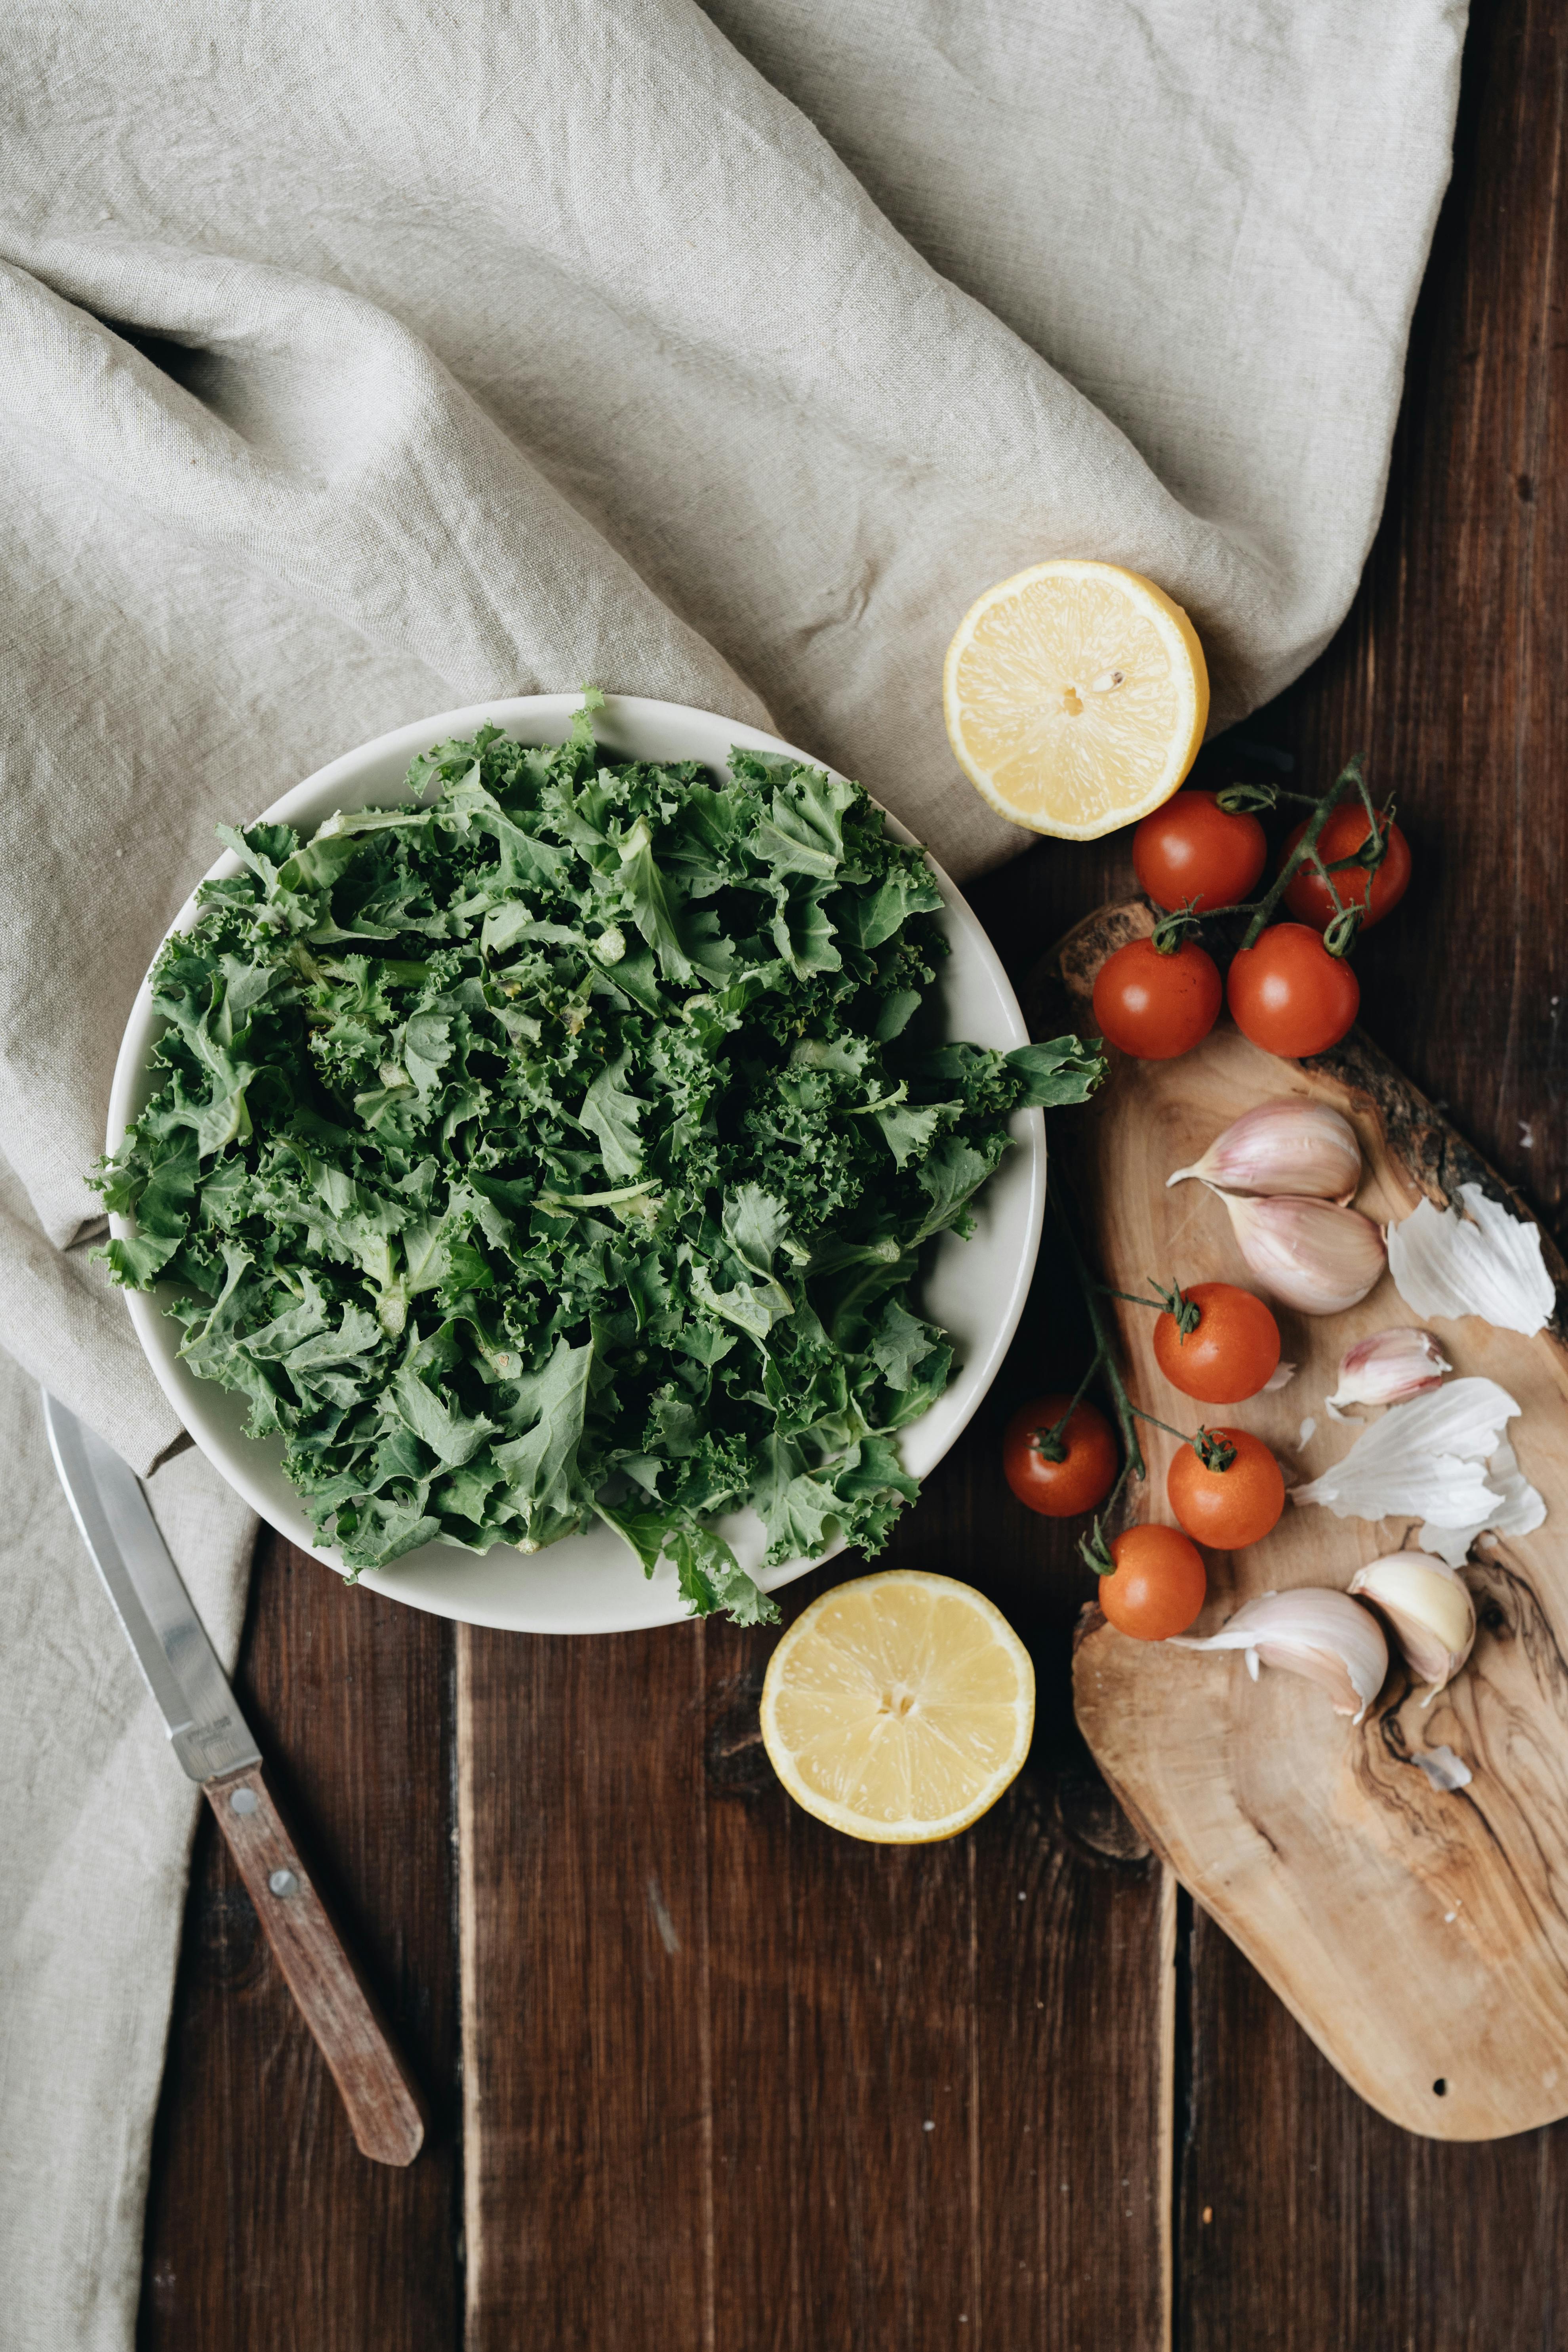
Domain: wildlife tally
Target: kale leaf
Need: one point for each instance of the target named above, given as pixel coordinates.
(563, 1145)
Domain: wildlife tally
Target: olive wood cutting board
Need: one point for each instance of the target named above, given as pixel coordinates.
(1419, 1935)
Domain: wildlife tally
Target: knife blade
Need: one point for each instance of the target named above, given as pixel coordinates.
(214, 1743)
(205, 1727)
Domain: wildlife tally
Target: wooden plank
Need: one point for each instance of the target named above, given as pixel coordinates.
(1306, 2220)
(1310, 2223)
(586, 2054)
(706, 2036)
(1448, 671)
(267, 2230)
(722, 2143)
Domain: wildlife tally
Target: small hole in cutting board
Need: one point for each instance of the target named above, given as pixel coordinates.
(1440, 2086)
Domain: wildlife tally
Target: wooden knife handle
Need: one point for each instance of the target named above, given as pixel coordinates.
(385, 2109)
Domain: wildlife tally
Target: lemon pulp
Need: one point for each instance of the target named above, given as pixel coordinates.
(1075, 696)
(899, 1706)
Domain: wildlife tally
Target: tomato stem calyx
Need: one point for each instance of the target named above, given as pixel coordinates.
(1171, 932)
(1185, 1312)
(1095, 1552)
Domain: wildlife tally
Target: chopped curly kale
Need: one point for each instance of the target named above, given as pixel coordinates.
(565, 1143)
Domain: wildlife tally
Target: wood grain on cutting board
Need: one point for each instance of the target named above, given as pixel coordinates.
(1419, 1935)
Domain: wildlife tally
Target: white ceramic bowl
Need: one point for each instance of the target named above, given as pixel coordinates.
(591, 1583)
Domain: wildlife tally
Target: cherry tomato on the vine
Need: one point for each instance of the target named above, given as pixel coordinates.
(1157, 1586)
(1232, 1351)
(1307, 893)
(1227, 1508)
(1156, 1005)
(1193, 849)
(1289, 994)
(1087, 1471)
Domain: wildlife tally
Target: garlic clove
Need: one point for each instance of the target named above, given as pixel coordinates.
(1430, 1610)
(1310, 1255)
(1303, 1149)
(1319, 1633)
(1387, 1367)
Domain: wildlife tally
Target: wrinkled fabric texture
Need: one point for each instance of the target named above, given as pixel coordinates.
(97, 1834)
(358, 368)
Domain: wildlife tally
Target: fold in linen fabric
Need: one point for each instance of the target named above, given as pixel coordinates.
(360, 365)
(98, 1836)
(356, 373)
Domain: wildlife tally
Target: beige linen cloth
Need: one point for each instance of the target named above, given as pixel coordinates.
(359, 364)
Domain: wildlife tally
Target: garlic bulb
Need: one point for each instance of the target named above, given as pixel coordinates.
(1300, 1147)
(1430, 1610)
(1387, 1367)
(1310, 1255)
(1324, 1635)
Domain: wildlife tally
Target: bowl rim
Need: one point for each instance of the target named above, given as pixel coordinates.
(304, 803)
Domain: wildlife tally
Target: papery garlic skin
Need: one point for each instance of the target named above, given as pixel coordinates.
(1518, 1510)
(1314, 1631)
(1303, 1149)
(1485, 1262)
(1441, 1457)
(1313, 1256)
(1447, 1772)
(1430, 1609)
(1389, 1366)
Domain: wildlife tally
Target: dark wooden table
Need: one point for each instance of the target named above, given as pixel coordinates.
(713, 2077)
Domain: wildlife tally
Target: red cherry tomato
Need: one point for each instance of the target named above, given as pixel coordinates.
(1191, 849)
(1085, 1474)
(1289, 995)
(1156, 1005)
(1307, 894)
(1230, 1355)
(1227, 1508)
(1157, 1586)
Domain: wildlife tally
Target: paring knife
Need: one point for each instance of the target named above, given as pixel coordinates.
(212, 1740)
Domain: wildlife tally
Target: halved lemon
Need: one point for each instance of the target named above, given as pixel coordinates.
(1075, 696)
(899, 1706)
